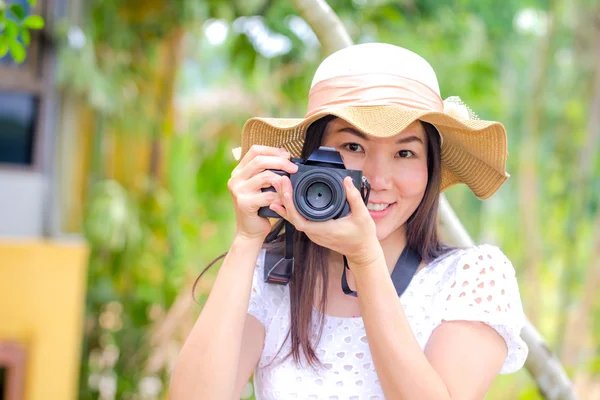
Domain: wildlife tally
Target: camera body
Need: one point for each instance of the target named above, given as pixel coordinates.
(318, 190)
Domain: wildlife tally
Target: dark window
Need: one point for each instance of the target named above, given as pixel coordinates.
(22, 90)
(18, 113)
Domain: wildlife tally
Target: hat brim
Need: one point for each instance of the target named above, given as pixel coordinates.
(473, 151)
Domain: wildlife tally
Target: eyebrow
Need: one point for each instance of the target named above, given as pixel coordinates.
(406, 139)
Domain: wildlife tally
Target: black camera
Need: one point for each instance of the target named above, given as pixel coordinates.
(318, 190)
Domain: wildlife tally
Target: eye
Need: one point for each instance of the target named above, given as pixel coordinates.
(353, 147)
(405, 154)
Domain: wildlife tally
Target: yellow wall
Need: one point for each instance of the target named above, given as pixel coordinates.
(42, 288)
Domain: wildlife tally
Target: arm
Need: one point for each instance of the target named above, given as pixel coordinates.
(225, 344)
(212, 358)
(253, 340)
(456, 352)
(481, 317)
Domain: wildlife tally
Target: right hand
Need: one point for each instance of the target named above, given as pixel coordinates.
(245, 183)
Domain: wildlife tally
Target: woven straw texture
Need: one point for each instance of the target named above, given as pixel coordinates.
(473, 151)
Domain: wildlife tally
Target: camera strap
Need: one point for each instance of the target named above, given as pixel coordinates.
(277, 269)
(403, 272)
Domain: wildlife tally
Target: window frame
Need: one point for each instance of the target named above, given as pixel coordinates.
(13, 358)
(33, 78)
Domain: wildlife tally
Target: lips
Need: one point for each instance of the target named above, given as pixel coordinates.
(380, 210)
(377, 206)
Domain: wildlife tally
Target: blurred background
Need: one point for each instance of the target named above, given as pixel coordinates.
(117, 120)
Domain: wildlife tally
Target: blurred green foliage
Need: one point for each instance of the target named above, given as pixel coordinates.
(529, 64)
(15, 27)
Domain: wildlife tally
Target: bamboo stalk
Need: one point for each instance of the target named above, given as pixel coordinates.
(542, 364)
(325, 23)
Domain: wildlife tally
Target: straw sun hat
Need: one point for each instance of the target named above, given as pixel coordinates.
(381, 89)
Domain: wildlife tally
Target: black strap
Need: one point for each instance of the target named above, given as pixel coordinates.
(279, 270)
(282, 268)
(403, 272)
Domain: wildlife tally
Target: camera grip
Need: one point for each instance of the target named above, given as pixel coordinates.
(266, 211)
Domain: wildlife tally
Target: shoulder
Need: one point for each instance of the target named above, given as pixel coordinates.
(480, 276)
(485, 254)
(480, 252)
(475, 263)
(479, 284)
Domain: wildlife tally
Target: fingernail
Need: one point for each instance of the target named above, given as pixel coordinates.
(285, 154)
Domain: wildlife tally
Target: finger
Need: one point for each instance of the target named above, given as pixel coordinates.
(251, 202)
(262, 163)
(258, 150)
(279, 209)
(285, 191)
(355, 200)
(262, 180)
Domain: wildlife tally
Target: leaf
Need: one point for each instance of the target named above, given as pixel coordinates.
(17, 11)
(17, 51)
(34, 22)
(26, 36)
(11, 29)
(32, 2)
(3, 46)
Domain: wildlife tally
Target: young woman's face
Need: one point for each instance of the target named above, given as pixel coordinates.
(396, 168)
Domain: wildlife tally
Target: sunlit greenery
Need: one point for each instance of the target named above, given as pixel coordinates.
(528, 64)
(15, 26)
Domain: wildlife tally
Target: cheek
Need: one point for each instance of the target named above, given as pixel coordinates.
(351, 161)
(411, 182)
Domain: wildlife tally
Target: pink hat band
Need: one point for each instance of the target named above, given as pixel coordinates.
(372, 90)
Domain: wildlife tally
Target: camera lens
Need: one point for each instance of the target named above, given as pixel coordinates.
(319, 195)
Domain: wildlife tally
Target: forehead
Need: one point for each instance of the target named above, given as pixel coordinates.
(336, 125)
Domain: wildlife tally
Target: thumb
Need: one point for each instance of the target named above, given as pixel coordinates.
(355, 200)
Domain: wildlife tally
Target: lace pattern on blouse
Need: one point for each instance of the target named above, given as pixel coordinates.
(475, 284)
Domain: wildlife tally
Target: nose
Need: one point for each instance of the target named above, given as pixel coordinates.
(378, 172)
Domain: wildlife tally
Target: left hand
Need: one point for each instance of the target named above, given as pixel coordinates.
(354, 235)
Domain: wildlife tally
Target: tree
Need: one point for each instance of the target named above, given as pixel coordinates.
(15, 26)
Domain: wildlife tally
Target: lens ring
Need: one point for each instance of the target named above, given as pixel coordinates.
(319, 195)
(333, 208)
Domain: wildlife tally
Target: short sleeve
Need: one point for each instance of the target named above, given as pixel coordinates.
(257, 305)
(482, 287)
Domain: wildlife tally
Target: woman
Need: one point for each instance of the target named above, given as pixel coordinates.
(457, 324)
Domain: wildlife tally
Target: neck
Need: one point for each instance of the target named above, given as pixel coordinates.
(392, 247)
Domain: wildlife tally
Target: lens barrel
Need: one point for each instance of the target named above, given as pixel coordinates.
(319, 195)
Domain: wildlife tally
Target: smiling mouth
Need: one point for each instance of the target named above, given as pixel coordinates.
(378, 207)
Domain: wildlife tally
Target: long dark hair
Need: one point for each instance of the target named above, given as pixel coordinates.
(312, 273)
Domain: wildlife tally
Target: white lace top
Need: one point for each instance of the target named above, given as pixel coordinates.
(475, 284)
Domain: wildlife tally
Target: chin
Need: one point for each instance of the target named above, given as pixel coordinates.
(383, 231)
(382, 235)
